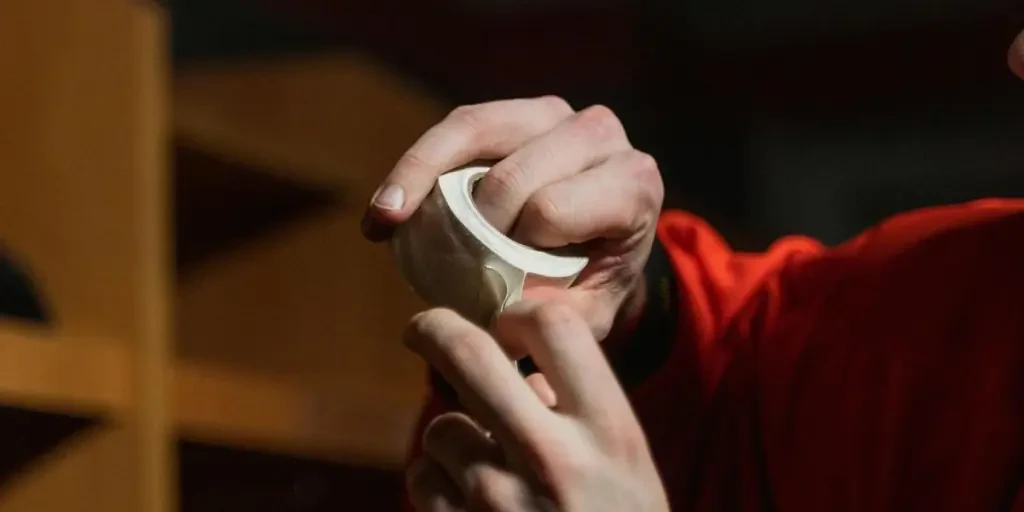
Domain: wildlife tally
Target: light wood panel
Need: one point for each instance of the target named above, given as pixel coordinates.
(322, 311)
(314, 299)
(40, 371)
(153, 350)
(230, 406)
(311, 314)
(83, 202)
(219, 404)
(289, 342)
(73, 110)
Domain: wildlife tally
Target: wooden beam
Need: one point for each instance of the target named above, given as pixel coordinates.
(43, 372)
(230, 406)
(83, 205)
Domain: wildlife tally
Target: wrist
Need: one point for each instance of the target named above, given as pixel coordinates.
(627, 320)
(646, 326)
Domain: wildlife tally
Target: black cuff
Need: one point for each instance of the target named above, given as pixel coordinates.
(650, 344)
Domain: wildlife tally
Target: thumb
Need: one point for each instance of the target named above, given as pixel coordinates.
(1016, 56)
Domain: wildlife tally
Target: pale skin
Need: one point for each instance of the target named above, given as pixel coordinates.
(567, 440)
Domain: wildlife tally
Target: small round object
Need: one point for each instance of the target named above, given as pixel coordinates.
(452, 257)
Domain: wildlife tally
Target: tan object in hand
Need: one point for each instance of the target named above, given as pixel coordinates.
(452, 257)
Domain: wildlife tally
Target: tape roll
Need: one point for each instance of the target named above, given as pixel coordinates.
(452, 257)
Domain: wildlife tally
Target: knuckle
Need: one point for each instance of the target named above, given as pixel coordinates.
(541, 211)
(599, 114)
(413, 160)
(467, 117)
(645, 172)
(559, 468)
(601, 121)
(492, 490)
(619, 430)
(504, 179)
(621, 437)
(644, 164)
(554, 314)
(556, 105)
(463, 113)
(465, 349)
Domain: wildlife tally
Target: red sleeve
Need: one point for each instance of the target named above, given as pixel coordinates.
(881, 374)
(722, 291)
(716, 284)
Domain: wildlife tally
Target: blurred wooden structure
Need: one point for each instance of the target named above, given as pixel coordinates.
(194, 234)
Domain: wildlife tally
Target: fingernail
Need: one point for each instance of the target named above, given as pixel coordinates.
(391, 197)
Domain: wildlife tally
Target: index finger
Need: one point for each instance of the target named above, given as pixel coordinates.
(483, 376)
(567, 354)
(476, 132)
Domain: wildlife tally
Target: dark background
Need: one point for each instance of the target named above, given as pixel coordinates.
(767, 116)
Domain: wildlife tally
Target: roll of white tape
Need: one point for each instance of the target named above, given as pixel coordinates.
(452, 257)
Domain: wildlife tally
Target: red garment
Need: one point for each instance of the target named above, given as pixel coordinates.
(886, 374)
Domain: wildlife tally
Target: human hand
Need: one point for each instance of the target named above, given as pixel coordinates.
(578, 449)
(561, 178)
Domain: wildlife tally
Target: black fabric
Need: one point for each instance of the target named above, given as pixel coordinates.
(651, 342)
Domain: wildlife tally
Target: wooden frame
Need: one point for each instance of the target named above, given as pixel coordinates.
(283, 341)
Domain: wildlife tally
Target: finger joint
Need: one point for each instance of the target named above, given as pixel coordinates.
(601, 122)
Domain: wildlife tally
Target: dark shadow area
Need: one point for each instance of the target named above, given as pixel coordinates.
(884, 201)
(217, 479)
(28, 435)
(220, 204)
(205, 30)
(698, 84)
(19, 297)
